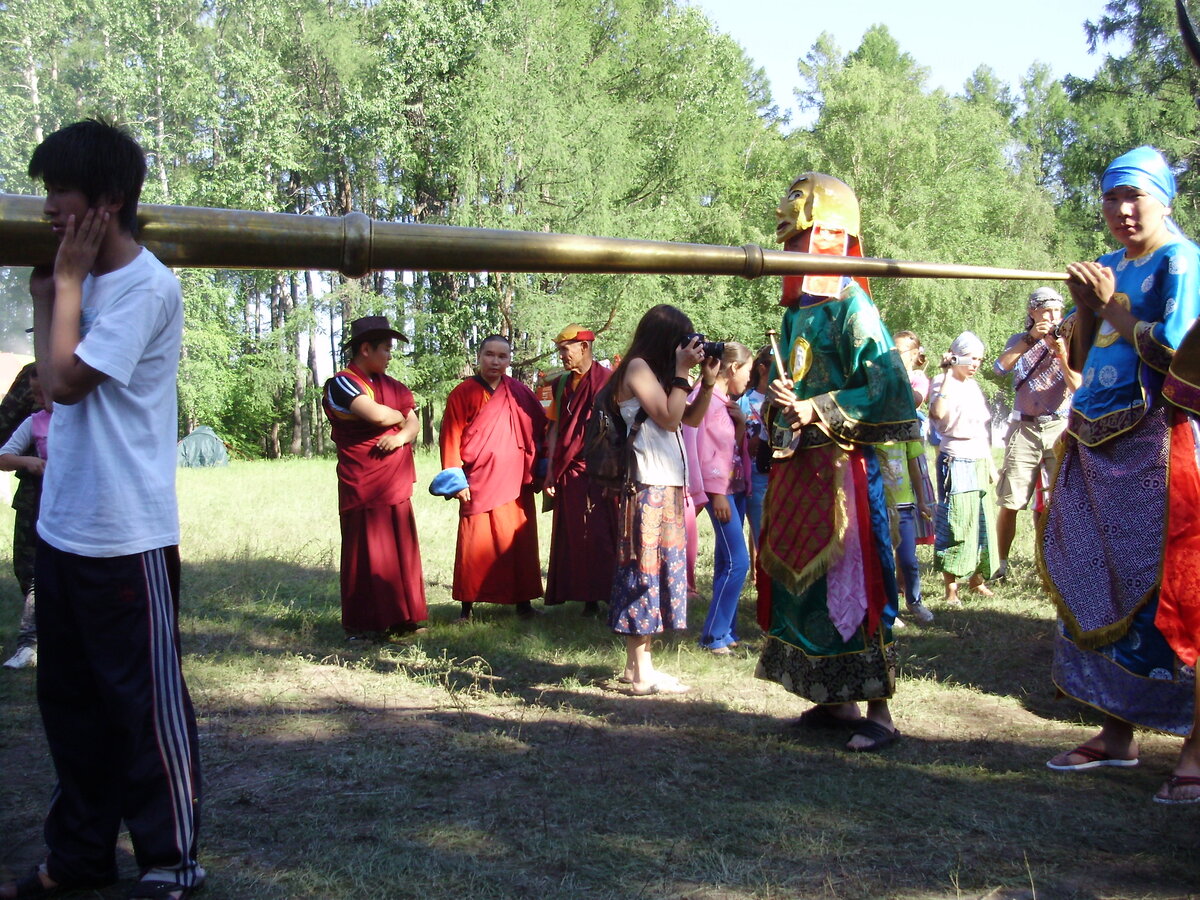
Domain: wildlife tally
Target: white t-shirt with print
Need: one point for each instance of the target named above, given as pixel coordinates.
(109, 487)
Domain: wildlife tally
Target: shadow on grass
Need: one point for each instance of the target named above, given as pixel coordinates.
(275, 608)
(481, 761)
(348, 799)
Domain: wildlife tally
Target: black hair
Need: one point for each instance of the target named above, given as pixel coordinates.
(494, 337)
(658, 335)
(373, 342)
(98, 158)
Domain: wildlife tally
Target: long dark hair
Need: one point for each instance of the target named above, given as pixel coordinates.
(658, 335)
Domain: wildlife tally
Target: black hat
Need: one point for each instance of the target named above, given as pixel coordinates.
(369, 327)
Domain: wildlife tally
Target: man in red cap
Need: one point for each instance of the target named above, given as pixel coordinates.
(493, 430)
(583, 542)
(374, 424)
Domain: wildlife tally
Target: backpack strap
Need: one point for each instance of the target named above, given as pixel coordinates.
(629, 491)
(630, 459)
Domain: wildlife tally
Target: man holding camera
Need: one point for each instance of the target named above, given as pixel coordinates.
(1042, 387)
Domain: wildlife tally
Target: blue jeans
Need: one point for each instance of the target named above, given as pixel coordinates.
(731, 564)
(754, 506)
(906, 554)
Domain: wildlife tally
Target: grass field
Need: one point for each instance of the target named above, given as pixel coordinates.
(495, 760)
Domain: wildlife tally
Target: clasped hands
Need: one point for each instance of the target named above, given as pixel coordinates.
(1092, 285)
(796, 413)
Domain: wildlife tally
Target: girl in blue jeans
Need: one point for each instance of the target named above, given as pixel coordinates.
(724, 471)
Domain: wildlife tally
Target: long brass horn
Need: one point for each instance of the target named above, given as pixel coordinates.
(355, 245)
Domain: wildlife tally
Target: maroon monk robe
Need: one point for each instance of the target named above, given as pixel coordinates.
(383, 587)
(583, 539)
(495, 437)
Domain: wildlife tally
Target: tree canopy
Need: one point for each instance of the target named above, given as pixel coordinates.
(626, 118)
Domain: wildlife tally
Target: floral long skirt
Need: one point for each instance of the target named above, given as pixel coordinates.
(649, 591)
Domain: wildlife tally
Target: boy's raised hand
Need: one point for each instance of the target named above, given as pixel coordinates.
(80, 244)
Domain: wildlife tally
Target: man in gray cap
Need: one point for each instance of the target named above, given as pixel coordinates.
(1042, 387)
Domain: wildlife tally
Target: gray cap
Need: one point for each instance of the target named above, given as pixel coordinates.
(1044, 296)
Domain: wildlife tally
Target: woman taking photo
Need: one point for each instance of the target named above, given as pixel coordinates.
(966, 517)
(649, 590)
(1126, 457)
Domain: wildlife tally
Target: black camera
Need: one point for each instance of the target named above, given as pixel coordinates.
(712, 349)
(1057, 331)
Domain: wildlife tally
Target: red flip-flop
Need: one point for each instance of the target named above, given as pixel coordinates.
(1093, 759)
(1178, 781)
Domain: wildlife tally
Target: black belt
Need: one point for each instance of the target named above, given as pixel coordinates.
(1041, 420)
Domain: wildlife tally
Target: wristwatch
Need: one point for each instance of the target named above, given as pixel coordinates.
(682, 383)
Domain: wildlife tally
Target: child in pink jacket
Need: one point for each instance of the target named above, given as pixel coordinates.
(723, 463)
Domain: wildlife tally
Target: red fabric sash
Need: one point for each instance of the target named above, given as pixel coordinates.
(573, 414)
(799, 520)
(1178, 615)
(368, 477)
(499, 446)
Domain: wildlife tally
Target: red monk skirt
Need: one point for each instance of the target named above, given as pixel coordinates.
(496, 560)
(583, 543)
(382, 583)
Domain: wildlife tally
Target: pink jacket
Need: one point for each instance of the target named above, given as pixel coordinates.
(715, 448)
(695, 487)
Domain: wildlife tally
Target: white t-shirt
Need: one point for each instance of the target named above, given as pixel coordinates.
(109, 488)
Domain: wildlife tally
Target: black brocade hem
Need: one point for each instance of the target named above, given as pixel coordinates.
(852, 431)
(1154, 354)
(1091, 432)
(868, 674)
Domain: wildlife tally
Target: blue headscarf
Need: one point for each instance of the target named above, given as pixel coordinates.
(1143, 168)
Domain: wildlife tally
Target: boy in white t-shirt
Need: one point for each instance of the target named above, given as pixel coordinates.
(108, 323)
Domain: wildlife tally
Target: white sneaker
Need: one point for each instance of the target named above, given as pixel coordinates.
(921, 613)
(25, 657)
(898, 623)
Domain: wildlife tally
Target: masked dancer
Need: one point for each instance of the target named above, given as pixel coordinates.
(826, 545)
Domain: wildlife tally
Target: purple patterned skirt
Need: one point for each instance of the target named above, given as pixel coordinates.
(1101, 550)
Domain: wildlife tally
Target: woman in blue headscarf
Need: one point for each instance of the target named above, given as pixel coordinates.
(1104, 542)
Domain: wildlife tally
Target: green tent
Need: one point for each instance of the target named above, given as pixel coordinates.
(202, 448)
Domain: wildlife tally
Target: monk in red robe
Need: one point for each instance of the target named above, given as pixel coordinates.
(493, 429)
(374, 424)
(583, 540)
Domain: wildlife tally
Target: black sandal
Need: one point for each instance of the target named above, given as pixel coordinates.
(880, 736)
(821, 718)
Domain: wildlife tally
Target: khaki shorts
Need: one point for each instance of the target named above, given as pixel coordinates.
(1029, 446)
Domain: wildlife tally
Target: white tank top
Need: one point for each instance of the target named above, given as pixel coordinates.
(657, 453)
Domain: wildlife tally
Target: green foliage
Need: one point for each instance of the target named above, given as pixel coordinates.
(628, 118)
(935, 183)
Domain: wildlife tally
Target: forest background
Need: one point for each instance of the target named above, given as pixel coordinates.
(623, 118)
